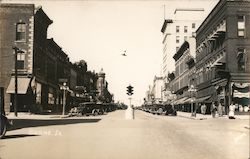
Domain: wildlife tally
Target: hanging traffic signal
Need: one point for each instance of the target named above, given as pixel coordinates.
(130, 90)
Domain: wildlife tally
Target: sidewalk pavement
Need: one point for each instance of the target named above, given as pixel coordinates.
(24, 115)
(209, 116)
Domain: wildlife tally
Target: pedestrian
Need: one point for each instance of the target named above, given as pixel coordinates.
(231, 111)
(204, 108)
(220, 110)
(213, 110)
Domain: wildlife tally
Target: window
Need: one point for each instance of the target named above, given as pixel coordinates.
(193, 25)
(20, 60)
(21, 32)
(177, 29)
(177, 39)
(185, 29)
(241, 26)
(241, 59)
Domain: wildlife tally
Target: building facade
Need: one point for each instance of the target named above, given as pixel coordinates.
(43, 68)
(175, 32)
(222, 63)
(182, 81)
(16, 30)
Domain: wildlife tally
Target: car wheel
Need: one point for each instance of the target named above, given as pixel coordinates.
(3, 128)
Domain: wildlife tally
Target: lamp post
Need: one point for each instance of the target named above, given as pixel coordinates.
(17, 50)
(64, 87)
(192, 90)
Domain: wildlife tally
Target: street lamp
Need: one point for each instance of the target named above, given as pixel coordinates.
(17, 50)
(192, 90)
(64, 87)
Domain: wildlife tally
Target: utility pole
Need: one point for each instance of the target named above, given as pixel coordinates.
(17, 50)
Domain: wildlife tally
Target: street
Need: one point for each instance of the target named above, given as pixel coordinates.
(111, 137)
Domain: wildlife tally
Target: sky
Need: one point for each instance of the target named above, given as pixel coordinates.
(100, 31)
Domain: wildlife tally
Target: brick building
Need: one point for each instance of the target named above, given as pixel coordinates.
(223, 45)
(183, 80)
(42, 65)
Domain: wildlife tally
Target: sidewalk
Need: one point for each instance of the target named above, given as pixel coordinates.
(22, 115)
(209, 116)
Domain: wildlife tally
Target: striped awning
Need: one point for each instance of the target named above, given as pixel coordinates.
(22, 85)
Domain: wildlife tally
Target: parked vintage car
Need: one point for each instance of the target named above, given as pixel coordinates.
(160, 109)
(92, 108)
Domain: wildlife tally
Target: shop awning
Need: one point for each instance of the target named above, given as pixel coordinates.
(189, 100)
(180, 101)
(22, 85)
(202, 99)
(239, 94)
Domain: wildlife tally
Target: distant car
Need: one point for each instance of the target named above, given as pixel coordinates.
(160, 109)
(4, 124)
(76, 111)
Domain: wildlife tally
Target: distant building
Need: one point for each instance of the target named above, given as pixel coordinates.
(157, 89)
(222, 55)
(182, 81)
(155, 92)
(102, 89)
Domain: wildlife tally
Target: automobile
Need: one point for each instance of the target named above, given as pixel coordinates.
(4, 124)
(76, 111)
(160, 109)
(169, 110)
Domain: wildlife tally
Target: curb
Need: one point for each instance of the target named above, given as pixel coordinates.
(194, 118)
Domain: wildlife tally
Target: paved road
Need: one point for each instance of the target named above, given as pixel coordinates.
(112, 137)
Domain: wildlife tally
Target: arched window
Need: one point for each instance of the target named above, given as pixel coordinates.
(241, 59)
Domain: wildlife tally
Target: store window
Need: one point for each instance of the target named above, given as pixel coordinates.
(21, 32)
(241, 26)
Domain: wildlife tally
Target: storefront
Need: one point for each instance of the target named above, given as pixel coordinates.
(240, 96)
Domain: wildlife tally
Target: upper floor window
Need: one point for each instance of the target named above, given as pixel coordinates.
(193, 25)
(185, 29)
(177, 29)
(20, 60)
(177, 39)
(241, 59)
(241, 26)
(20, 32)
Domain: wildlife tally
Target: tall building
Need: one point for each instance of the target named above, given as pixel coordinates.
(222, 54)
(176, 30)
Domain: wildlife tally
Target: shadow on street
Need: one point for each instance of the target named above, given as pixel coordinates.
(17, 136)
(26, 123)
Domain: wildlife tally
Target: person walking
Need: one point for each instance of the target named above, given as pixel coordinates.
(213, 109)
(231, 111)
(220, 110)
